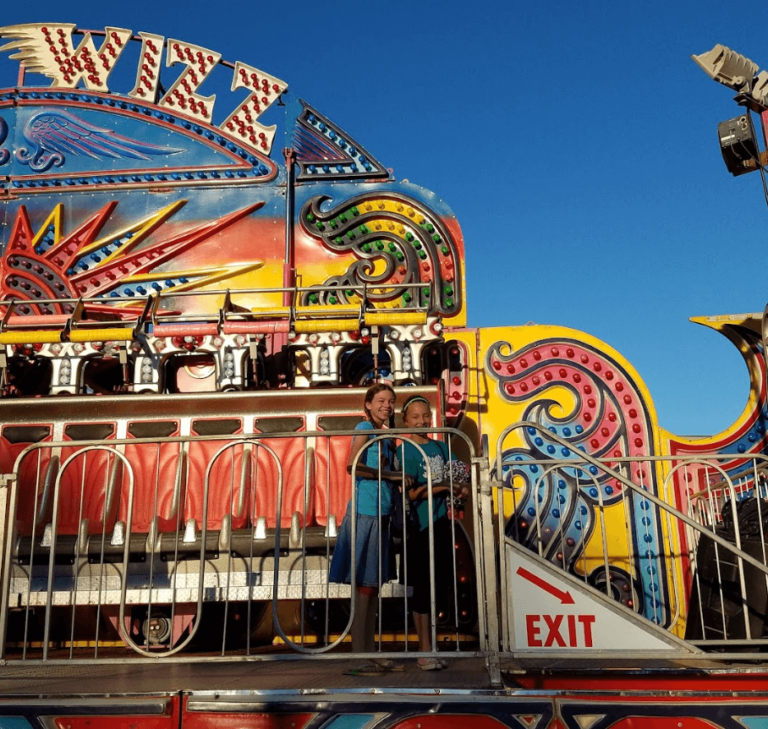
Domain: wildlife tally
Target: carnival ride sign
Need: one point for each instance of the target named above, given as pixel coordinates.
(118, 196)
(553, 612)
(49, 49)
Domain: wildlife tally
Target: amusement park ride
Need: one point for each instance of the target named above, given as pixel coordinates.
(188, 322)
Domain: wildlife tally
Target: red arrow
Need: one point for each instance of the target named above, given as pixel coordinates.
(564, 597)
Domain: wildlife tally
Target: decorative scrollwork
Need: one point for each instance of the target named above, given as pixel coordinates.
(551, 511)
(585, 397)
(400, 243)
(40, 160)
(606, 414)
(752, 434)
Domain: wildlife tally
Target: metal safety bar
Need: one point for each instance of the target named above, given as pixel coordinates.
(164, 544)
(84, 322)
(297, 313)
(145, 344)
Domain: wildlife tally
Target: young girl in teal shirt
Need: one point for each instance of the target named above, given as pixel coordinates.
(374, 495)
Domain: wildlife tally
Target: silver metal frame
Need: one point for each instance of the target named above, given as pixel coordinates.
(695, 528)
(303, 576)
(121, 483)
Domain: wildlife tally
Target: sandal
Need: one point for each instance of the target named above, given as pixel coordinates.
(429, 664)
(366, 669)
(391, 666)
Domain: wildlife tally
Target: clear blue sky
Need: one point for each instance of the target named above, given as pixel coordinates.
(575, 141)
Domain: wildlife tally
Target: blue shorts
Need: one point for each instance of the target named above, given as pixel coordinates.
(366, 551)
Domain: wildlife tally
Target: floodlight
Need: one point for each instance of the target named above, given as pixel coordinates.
(760, 88)
(728, 68)
(738, 145)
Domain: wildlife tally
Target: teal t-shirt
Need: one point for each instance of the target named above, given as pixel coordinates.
(413, 464)
(367, 489)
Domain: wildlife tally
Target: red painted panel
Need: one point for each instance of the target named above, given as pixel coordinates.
(333, 485)
(702, 682)
(154, 469)
(662, 722)
(290, 452)
(32, 474)
(169, 719)
(224, 489)
(83, 490)
(115, 722)
(199, 720)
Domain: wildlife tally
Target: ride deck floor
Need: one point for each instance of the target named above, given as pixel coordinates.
(133, 678)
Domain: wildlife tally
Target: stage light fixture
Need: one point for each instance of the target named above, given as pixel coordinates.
(760, 89)
(738, 145)
(728, 68)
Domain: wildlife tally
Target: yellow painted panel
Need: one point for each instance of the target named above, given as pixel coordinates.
(101, 335)
(37, 336)
(321, 309)
(394, 318)
(326, 325)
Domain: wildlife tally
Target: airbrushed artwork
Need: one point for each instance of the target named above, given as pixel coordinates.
(196, 289)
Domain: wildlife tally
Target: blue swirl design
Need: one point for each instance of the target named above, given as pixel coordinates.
(52, 135)
(5, 155)
(552, 509)
(556, 511)
(39, 160)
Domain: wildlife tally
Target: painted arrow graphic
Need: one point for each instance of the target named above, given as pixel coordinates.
(564, 597)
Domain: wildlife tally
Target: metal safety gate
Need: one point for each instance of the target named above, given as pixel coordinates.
(129, 544)
(129, 548)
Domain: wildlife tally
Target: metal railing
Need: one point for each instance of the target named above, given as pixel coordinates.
(148, 340)
(147, 547)
(163, 544)
(78, 323)
(660, 534)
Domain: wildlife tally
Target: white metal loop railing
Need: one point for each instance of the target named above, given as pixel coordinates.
(678, 549)
(132, 538)
(149, 541)
(431, 556)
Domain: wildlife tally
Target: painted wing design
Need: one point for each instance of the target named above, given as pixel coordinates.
(59, 133)
(31, 47)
